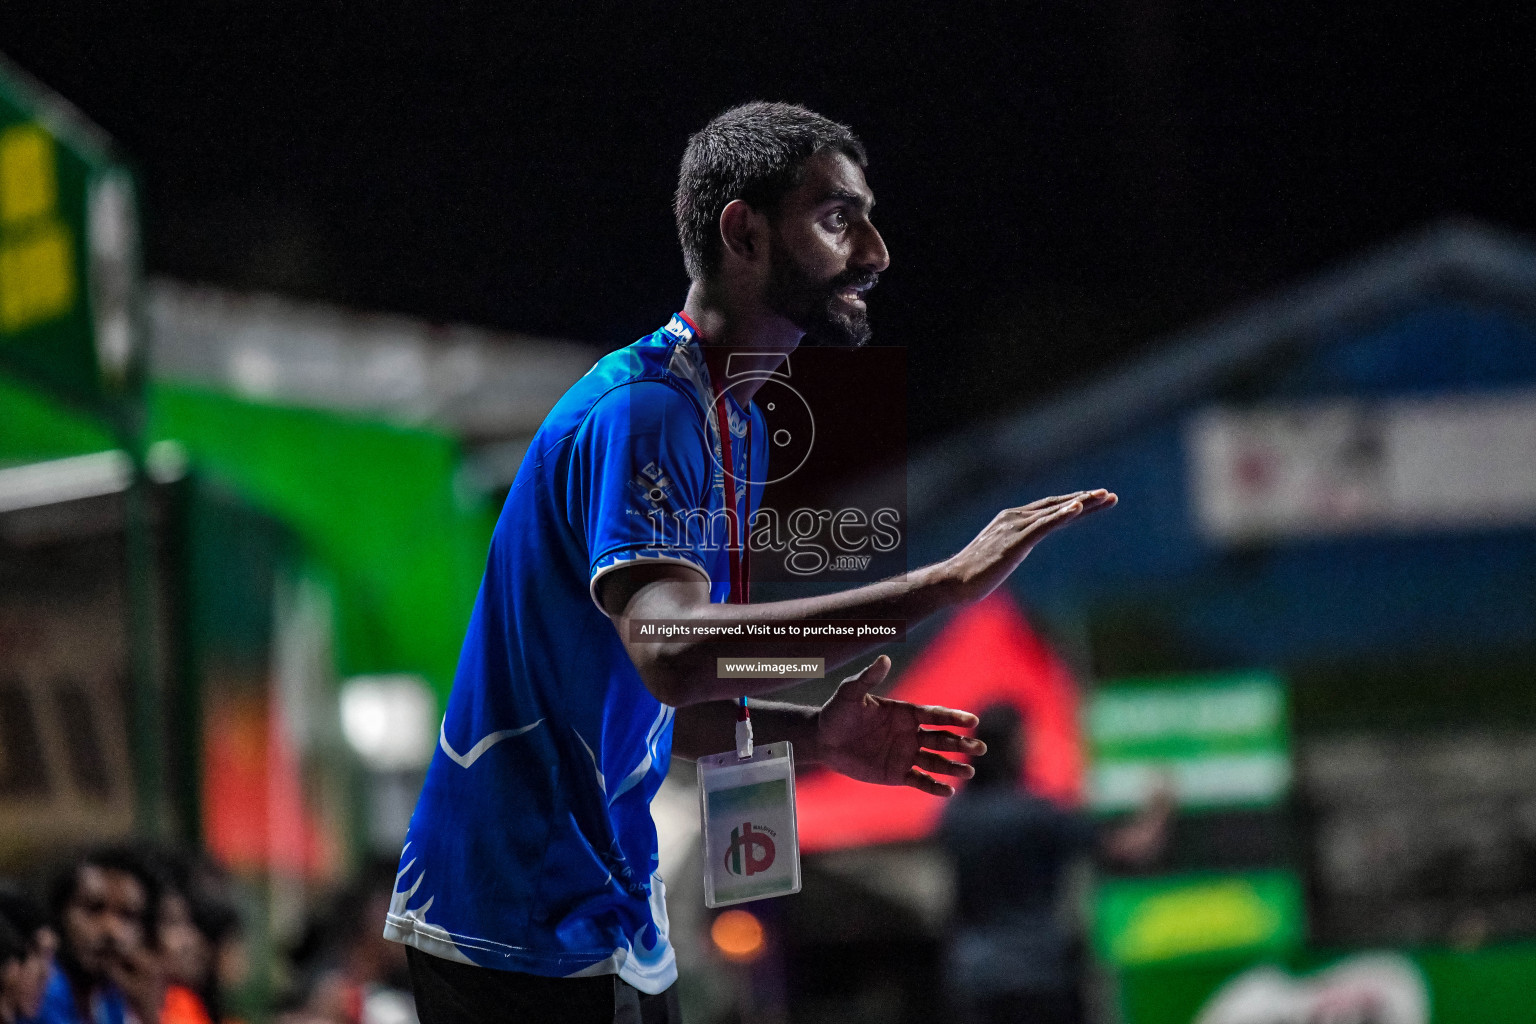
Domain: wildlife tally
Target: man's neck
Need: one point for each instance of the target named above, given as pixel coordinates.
(759, 340)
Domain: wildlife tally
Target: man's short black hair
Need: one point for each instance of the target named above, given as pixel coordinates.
(756, 153)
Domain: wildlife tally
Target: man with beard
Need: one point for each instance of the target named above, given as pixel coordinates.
(527, 887)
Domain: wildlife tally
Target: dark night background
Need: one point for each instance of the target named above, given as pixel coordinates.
(1059, 183)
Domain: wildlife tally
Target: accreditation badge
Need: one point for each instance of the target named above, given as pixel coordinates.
(751, 849)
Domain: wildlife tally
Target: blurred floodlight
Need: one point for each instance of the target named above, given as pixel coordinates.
(738, 935)
(388, 720)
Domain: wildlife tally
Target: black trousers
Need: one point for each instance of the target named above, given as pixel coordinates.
(454, 993)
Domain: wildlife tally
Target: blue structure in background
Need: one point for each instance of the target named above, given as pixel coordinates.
(1451, 312)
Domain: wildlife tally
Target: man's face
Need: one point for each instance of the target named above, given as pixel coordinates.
(104, 920)
(826, 254)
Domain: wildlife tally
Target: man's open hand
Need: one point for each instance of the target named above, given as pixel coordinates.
(982, 565)
(892, 742)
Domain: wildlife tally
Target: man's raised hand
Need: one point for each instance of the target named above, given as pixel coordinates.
(891, 742)
(982, 565)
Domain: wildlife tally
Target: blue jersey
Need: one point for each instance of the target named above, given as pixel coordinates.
(532, 847)
(59, 1007)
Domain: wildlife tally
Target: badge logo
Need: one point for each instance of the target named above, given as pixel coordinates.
(653, 485)
(751, 850)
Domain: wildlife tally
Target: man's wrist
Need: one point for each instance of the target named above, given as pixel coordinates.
(797, 723)
(809, 750)
(806, 735)
(940, 584)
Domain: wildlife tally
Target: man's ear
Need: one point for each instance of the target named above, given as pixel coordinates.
(742, 230)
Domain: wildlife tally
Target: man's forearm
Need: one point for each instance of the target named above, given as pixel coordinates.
(686, 668)
(682, 671)
(710, 728)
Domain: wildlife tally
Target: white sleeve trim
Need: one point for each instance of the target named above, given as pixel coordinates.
(625, 559)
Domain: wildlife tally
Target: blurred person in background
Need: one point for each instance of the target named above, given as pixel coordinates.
(196, 918)
(106, 909)
(1011, 955)
(13, 957)
(358, 977)
(27, 946)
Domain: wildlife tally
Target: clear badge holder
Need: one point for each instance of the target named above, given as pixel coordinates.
(751, 848)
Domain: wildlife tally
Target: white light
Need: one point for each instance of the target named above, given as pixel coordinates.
(389, 721)
(71, 479)
(255, 372)
(167, 461)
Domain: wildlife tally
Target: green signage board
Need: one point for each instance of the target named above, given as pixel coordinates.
(1489, 985)
(1144, 921)
(68, 249)
(1221, 741)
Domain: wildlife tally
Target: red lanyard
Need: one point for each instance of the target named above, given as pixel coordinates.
(737, 549)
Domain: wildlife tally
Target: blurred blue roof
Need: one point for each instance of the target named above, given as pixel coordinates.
(1452, 259)
(1448, 312)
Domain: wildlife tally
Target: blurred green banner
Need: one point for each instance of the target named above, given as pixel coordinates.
(68, 249)
(1156, 920)
(374, 504)
(1450, 986)
(1221, 741)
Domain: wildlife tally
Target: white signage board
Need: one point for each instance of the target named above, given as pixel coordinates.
(1442, 462)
